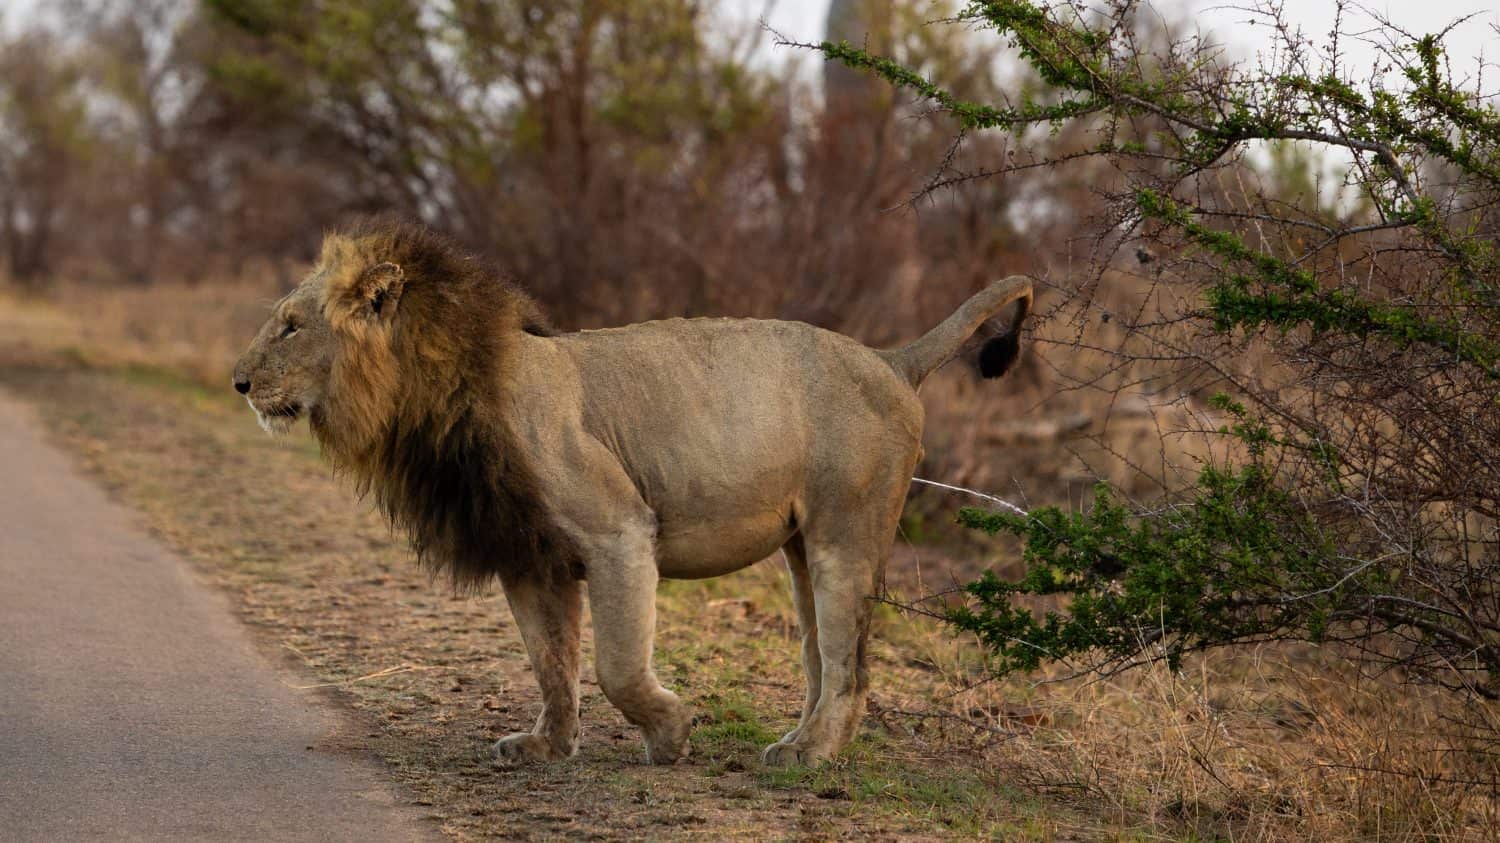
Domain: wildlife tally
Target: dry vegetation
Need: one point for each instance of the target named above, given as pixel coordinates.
(1278, 743)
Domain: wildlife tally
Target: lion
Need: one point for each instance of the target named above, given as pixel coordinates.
(606, 460)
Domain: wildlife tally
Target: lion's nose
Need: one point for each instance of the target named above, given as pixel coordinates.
(242, 385)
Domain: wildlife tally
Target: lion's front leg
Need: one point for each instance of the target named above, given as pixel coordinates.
(549, 617)
(622, 599)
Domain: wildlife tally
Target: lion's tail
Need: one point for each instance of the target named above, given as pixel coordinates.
(999, 344)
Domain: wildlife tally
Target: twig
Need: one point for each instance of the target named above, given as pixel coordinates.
(379, 674)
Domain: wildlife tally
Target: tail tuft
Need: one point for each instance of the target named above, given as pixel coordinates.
(966, 329)
(999, 353)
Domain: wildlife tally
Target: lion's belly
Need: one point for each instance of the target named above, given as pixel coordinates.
(722, 517)
(696, 551)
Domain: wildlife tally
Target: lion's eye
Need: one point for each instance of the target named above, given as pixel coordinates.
(290, 329)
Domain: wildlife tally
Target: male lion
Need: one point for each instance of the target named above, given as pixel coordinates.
(609, 459)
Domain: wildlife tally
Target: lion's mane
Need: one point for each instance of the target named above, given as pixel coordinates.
(414, 415)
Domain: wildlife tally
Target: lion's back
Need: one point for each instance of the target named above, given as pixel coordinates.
(707, 377)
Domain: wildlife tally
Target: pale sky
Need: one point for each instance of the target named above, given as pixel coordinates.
(803, 20)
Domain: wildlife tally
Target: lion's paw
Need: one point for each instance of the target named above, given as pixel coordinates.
(523, 748)
(670, 744)
(785, 753)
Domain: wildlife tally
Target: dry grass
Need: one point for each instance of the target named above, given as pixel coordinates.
(196, 330)
(1278, 744)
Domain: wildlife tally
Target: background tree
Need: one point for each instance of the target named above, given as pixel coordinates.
(44, 141)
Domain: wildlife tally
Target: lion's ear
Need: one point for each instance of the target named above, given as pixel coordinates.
(380, 288)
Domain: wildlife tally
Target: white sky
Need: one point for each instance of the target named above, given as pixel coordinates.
(803, 20)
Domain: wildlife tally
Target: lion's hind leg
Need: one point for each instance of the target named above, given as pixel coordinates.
(846, 541)
(550, 619)
(843, 580)
(807, 624)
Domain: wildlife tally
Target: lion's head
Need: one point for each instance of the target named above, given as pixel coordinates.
(285, 371)
(334, 327)
(384, 296)
(394, 347)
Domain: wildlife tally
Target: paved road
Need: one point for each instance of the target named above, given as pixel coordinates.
(132, 705)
